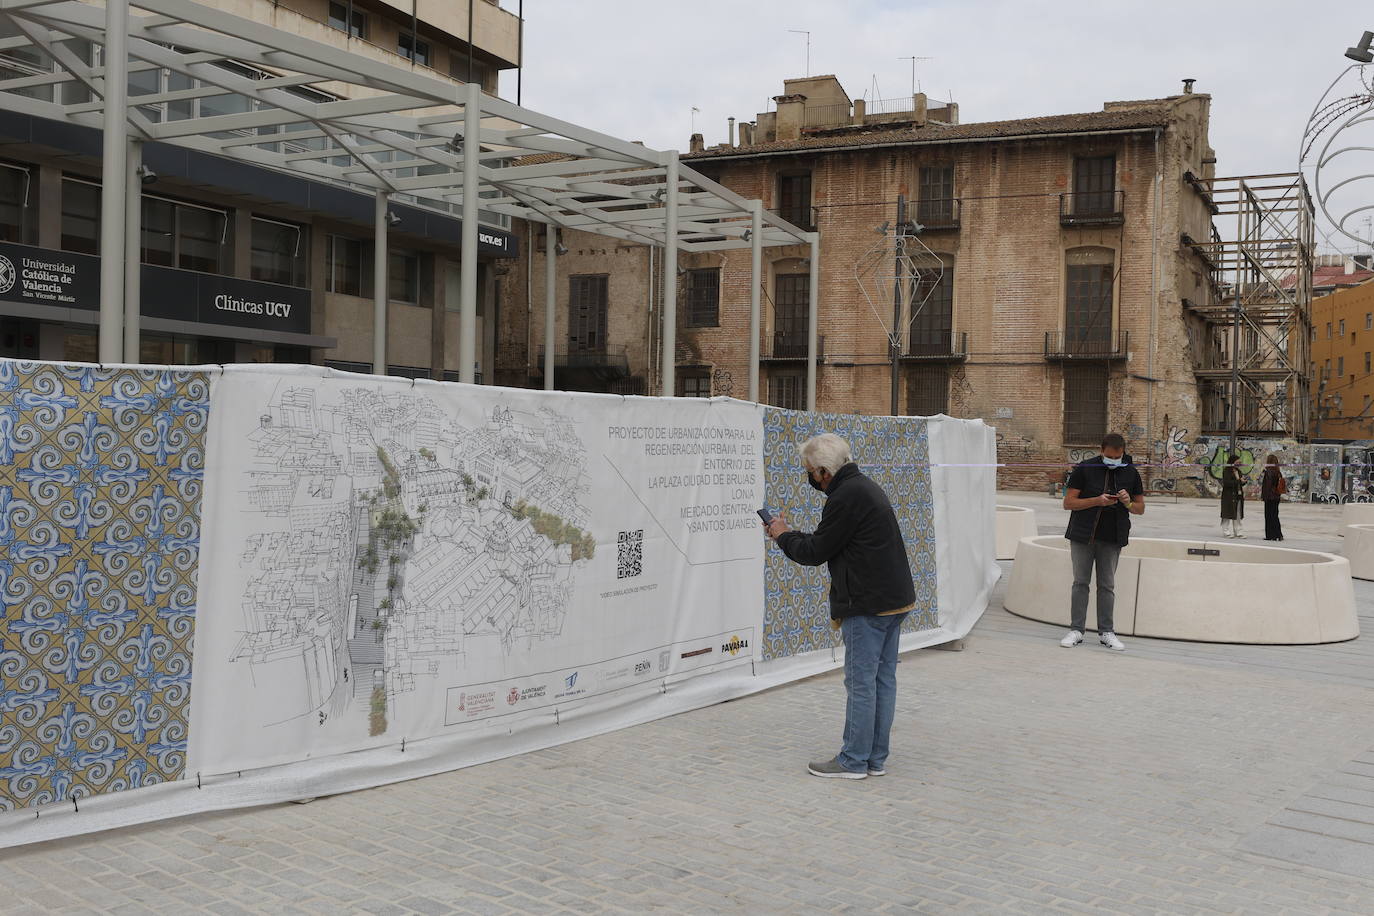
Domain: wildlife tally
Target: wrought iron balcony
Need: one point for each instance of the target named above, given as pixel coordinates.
(790, 347)
(1069, 347)
(605, 363)
(1092, 208)
(949, 347)
(938, 215)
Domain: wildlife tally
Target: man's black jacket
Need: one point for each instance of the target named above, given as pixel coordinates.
(1109, 524)
(860, 540)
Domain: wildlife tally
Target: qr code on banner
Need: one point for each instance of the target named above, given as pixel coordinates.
(630, 560)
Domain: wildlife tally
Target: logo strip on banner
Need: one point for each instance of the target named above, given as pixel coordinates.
(471, 702)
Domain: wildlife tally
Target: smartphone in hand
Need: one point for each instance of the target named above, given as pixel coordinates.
(765, 515)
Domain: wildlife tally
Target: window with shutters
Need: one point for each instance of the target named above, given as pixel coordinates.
(792, 305)
(587, 308)
(1094, 185)
(785, 390)
(1088, 282)
(693, 383)
(794, 198)
(935, 205)
(932, 308)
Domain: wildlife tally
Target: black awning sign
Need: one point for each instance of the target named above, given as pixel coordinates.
(42, 276)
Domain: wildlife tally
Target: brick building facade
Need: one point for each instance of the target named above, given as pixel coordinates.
(1051, 267)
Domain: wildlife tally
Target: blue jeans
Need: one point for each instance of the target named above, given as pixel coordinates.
(870, 682)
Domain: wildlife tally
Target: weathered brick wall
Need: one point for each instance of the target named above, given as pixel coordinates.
(1008, 256)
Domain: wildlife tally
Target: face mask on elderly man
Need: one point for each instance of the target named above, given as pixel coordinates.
(811, 480)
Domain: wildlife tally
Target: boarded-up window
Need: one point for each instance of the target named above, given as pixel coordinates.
(1085, 403)
(703, 298)
(927, 390)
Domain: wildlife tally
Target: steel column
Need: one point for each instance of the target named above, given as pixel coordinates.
(755, 277)
(813, 319)
(112, 185)
(550, 300)
(380, 285)
(467, 314)
(133, 252)
(670, 275)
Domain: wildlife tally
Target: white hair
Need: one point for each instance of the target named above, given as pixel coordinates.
(826, 452)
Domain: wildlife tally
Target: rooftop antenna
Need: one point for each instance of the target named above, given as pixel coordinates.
(695, 111)
(913, 70)
(808, 47)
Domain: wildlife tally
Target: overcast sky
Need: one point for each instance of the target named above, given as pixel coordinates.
(635, 68)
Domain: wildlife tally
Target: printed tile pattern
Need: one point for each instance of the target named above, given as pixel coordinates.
(891, 450)
(100, 489)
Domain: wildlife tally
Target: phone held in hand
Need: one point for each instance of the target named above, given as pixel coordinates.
(765, 515)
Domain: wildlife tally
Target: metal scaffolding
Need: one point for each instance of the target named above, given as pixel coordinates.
(240, 89)
(1252, 358)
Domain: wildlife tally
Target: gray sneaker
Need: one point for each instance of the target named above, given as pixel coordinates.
(1109, 640)
(1073, 638)
(831, 769)
(877, 771)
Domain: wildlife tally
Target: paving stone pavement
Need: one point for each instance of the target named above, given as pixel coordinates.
(1024, 778)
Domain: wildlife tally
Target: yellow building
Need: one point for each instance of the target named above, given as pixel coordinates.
(1343, 360)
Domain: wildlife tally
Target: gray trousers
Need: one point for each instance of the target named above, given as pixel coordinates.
(1085, 557)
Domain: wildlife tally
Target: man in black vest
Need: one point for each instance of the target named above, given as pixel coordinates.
(871, 593)
(1102, 493)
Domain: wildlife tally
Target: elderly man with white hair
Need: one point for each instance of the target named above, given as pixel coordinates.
(870, 594)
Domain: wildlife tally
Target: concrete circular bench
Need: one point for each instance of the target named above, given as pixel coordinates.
(1013, 524)
(1242, 593)
(1356, 514)
(1359, 550)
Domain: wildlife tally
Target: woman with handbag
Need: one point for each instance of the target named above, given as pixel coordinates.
(1232, 498)
(1272, 488)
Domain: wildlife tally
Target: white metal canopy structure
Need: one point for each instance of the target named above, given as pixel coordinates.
(189, 75)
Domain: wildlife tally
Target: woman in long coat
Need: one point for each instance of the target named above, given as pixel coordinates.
(1272, 489)
(1232, 498)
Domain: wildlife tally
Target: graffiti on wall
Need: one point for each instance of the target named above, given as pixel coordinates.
(1326, 474)
(1175, 449)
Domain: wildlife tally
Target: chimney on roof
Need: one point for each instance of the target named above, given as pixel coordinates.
(732, 133)
(746, 133)
(1349, 266)
(791, 114)
(1188, 85)
(697, 143)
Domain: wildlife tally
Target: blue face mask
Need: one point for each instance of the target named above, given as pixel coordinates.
(1113, 462)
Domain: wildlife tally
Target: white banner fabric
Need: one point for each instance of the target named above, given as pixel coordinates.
(963, 464)
(387, 561)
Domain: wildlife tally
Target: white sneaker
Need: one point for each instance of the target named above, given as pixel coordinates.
(1072, 639)
(1111, 642)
